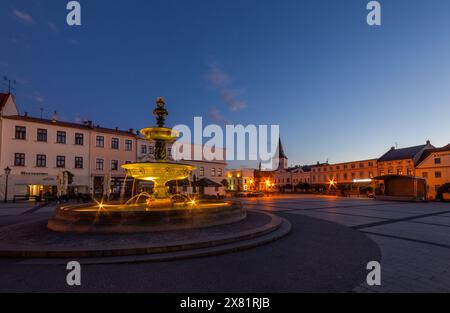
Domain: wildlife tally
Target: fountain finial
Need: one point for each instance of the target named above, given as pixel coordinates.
(160, 112)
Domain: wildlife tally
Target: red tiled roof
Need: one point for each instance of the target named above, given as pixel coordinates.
(70, 124)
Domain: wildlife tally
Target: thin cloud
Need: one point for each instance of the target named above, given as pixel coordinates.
(23, 16)
(53, 27)
(215, 115)
(39, 99)
(223, 84)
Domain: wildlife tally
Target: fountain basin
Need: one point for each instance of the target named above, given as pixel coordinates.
(134, 218)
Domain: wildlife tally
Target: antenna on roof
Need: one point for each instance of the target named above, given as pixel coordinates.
(10, 84)
(42, 111)
(396, 145)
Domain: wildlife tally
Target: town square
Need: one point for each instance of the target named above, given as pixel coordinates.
(217, 155)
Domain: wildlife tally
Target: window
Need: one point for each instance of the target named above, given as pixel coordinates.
(425, 174)
(370, 163)
(100, 141)
(144, 149)
(99, 164)
(437, 161)
(219, 172)
(60, 161)
(151, 149)
(60, 137)
(353, 165)
(41, 134)
(78, 162)
(41, 160)
(128, 144)
(409, 172)
(437, 174)
(19, 159)
(21, 132)
(115, 143)
(345, 166)
(127, 162)
(79, 139)
(361, 165)
(399, 171)
(345, 176)
(213, 172)
(202, 171)
(370, 174)
(114, 165)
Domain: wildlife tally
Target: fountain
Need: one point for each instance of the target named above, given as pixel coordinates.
(145, 212)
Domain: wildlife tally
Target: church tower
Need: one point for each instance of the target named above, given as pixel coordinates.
(282, 158)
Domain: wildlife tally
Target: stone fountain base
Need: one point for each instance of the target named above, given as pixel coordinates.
(35, 241)
(138, 218)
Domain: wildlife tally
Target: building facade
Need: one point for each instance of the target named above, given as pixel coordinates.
(37, 150)
(402, 161)
(344, 173)
(434, 166)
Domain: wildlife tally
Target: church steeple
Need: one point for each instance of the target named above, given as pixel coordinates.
(281, 154)
(282, 158)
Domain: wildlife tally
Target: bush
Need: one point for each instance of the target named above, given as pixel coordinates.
(445, 188)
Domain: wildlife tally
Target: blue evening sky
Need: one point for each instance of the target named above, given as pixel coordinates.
(339, 89)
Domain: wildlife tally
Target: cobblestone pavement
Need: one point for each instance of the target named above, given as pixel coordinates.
(414, 238)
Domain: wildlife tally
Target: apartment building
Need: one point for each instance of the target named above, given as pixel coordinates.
(109, 149)
(434, 166)
(344, 173)
(36, 150)
(402, 161)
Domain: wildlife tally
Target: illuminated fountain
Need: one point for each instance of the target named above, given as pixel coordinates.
(147, 212)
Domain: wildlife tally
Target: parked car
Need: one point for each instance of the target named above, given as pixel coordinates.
(242, 194)
(256, 194)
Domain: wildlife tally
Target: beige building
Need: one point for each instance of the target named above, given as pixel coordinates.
(401, 161)
(344, 173)
(242, 179)
(37, 150)
(109, 149)
(434, 166)
(208, 174)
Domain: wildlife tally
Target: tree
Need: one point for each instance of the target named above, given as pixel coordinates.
(224, 183)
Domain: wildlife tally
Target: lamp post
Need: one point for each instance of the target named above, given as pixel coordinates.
(7, 172)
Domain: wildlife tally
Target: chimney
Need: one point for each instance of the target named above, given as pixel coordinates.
(25, 114)
(117, 128)
(428, 142)
(131, 130)
(392, 148)
(54, 116)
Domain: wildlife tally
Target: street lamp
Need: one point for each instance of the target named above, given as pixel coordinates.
(7, 172)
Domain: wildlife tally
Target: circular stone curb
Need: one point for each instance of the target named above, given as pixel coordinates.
(228, 240)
